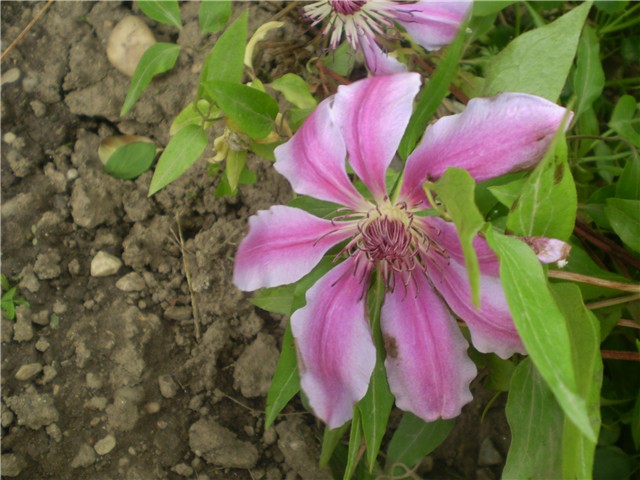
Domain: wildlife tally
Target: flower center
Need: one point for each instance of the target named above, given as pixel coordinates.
(347, 7)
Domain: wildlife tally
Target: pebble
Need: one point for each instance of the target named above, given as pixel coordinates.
(54, 432)
(488, 454)
(131, 282)
(96, 403)
(22, 330)
(104, 446)
(42, 345)
(105, 264)
(7, 417)
(72, 174)
(168, 386)
(47, 266)
(41, 318)
(9, 138)
(49, 374)
(85, 457)
(10, 76)
(12, 464)
(39, 108)
(179, 314)
(74, 267)
(28, 371)
(93, 380)
(183, 470)
(127, 42)
(152, 407)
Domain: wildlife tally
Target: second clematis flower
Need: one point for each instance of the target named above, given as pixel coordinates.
(418, 257)
(431, 23)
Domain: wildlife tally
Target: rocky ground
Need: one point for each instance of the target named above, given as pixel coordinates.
(108, 373)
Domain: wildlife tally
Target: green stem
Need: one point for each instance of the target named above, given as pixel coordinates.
(614, 27)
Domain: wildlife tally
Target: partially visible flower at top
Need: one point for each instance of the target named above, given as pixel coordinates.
(418, 257)
(432, 24)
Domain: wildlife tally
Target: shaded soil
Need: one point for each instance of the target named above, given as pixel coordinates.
(105, 377)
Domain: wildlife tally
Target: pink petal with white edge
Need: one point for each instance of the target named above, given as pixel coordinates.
(493, 136)
(430, 23)
(427, 365)
(283, 245)
(314, 161)
(379, 62)
(492, 328)
(336, 354)
(372, 115)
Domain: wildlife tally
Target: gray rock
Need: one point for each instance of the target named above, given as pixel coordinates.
(105, 264)
(488, 454)
(47, 265)
(301, 453)
(219, 446)
(131, 282)
(22, 330)
(33, 410)
(105, 445)
(256, 366)
(28, 371)
(10, 76)
(168, 386)
(12, 464)
(91, 203)
(85, 457)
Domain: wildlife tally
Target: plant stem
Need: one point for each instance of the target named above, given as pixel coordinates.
(618, 355)
(613, 301)
(599, 282)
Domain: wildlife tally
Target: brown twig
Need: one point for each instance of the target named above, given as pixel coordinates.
(618, 355)
(187, 272)
(623, 322)
(599, 282)
(583, 231)
(609, 302)
(26, 29)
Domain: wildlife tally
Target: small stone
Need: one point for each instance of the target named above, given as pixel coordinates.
(74, 267)
(59, 307)
(72, 174)
(131, 282)
(10, 76)
(9, 138)
(49, 373)
(183, 470)
(93, 381)
(28, 280)
(85, 457)
(179, 314)
(54, 432)
(42, 344)
(28, 371)
(105, 264)
(41, 318)
(7, 416)
(104, 446)
(12, 464)
(96, 403)
(39, 108)
(127, 42)
(168, 386)
(22, 330)
(269, 437)
(47, 266)
(488, 454)
(152, 407)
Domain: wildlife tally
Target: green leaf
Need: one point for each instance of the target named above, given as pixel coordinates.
(508, 193)
(225, 61)
(214, 15)
(193, 113)
(611, 6)
(4, 281)
(538, 61)
(286, 380)
(456, 188)
(341, 60)
(355, 442)
(584, 331)
(295, 90)
(500, 373)
(540, 323)
(413, 440)
(330, 440)
(184, 148)
(623, 118)
(548, 203)
(628, 186)
(251, 110)
(158, 58)
(588, 79)
(612, 463)
(624, 216)
(131, 160)
(486, 7)
(236, 161)
(316, 207)
(163, 11)
(535, 420)
(432, 94)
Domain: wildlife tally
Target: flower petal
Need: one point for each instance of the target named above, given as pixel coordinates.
(379, 62)
(492, 328)
(372, 115)
(430, 23)
(336, 355)
(314, 160)
(283, 245)
(428, 369)
(491, 137)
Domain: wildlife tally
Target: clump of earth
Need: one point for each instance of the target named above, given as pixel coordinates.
(108, 373)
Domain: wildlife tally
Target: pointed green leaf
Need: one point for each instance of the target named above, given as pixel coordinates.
(535, 420)
(540, 323)
(355, 444)
(624, 216)
(163, 11)
(623, 118)
(225, 61)
(132, 160)
(432, 94)
(295, 90)
(214, 15)
(508, 193)
(413, 440)
(251, 110)
(158, 58)
(195, 114)
(456, 188)
(628, 186)
(330, 440)
(184, 148)
(236, 161)
(548, 204)
(286, 380)
(538, 62)
(588, 79)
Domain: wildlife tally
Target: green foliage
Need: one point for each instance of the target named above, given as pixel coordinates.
(9, 299)
(588, 79)
(624, 216)
(624, 117)
(158, 58)
(163, 11)
(200, 113)
(225, 61)
(214, 15)
(131, 161)
(295, 90)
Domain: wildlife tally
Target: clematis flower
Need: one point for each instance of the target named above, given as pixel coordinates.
(419, 257)
(432, 24)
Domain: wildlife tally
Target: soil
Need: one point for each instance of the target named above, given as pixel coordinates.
(111, 376)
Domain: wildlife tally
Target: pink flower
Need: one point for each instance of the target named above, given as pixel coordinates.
(432, 24)
(419, 257)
